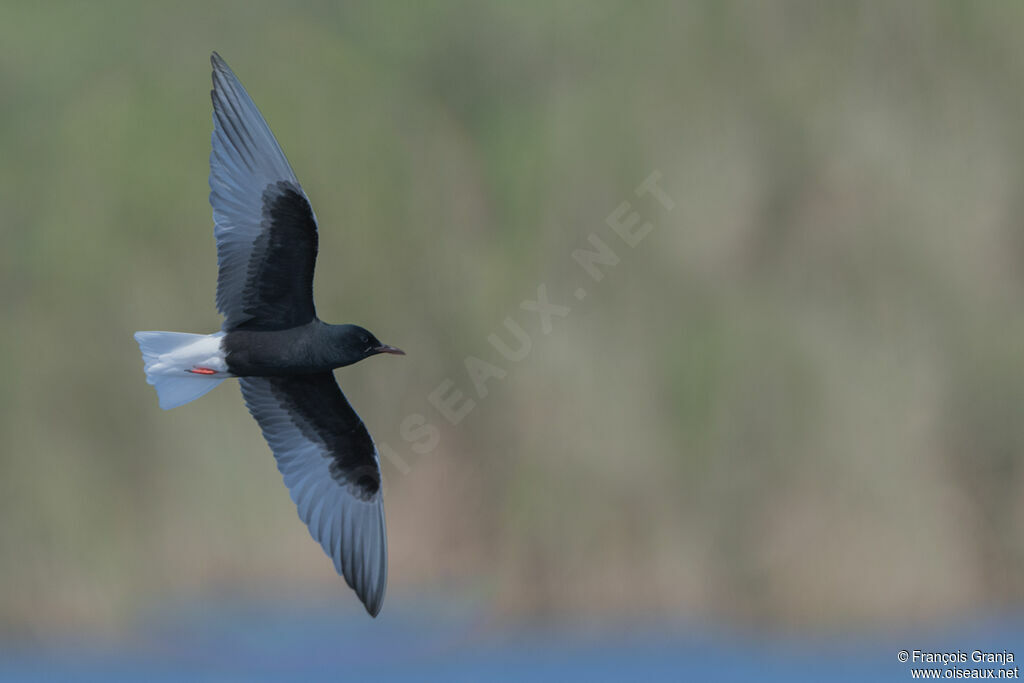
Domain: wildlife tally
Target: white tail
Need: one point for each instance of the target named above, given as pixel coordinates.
(171, 359)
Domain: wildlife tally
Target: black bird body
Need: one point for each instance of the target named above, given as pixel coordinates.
(301, 350)
(274, 343)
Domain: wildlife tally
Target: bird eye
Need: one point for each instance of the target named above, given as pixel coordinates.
(366, 340)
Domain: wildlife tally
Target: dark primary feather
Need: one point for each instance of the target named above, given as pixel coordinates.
(265, 227)
(331, 468)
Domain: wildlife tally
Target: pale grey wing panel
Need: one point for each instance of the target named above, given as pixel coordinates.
(338, 496)
(247, 171)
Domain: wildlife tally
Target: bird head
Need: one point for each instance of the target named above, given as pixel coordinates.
(357, 343)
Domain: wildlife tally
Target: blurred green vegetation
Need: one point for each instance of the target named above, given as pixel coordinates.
(796, 402)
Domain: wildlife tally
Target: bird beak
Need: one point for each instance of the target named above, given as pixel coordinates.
(384, 348)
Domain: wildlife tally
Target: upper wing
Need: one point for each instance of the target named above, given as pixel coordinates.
(331, 468)
(265, 227)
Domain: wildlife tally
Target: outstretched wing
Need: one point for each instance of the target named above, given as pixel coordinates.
(265, 227)
(331, 468)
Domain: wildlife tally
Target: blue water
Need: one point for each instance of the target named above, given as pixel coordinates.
(308, 640)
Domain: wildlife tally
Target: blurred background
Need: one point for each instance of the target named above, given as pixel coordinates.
(792, 408)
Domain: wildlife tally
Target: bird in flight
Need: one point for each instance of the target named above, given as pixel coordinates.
(272, 340)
